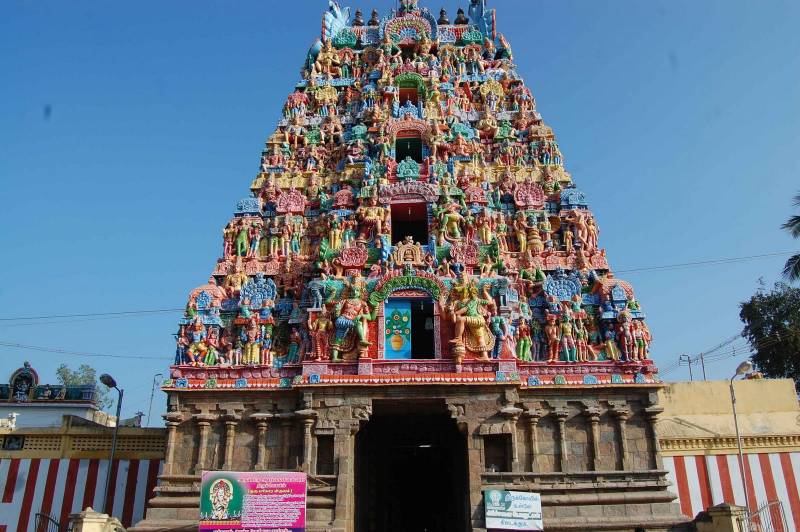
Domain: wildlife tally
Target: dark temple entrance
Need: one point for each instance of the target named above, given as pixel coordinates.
(411, 470)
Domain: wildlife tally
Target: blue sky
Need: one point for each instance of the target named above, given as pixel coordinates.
(129, 130)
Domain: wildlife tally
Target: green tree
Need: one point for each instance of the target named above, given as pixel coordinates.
(792, 269)
(85, 374)
(772, 326)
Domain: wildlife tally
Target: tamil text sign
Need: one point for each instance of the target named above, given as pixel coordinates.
(260, 500)
(513, 510)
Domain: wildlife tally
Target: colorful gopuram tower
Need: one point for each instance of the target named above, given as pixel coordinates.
(412, 305)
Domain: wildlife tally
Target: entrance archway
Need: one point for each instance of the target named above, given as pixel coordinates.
(411, 470)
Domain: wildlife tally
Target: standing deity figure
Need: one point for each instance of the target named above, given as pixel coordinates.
(242, 243)
(641, 340)
(592, 234)
(625, 332)
(581, 339)
(521, 232)
(499, 327)
(553, 336)
(228, 236)
(320, 329)
(524, 341)
(568, 346)
(251, 335)
(274, 239)
(294, 347)
(352, 314)
(468, 312)
(181, 345)
(537, 340)
(254, 233)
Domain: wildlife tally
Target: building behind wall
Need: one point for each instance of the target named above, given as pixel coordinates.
(700, 450)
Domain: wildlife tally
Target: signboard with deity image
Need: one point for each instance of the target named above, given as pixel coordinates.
(513, 510)
(261, 500)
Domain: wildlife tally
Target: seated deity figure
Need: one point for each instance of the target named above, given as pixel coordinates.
(450, 222)
(234, 281)
(352, 314)
(198, 346)
(327, 61)
(469, 316)
(372, 219)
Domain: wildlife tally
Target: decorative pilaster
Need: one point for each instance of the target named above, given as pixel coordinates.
(204, 423)
(534, 415)
(307, 415)
(230, 441)
(651, 414)
(512, 413)
(562, 413)
(173, 420)
(621, 412)
(592, 413)
(262, 423)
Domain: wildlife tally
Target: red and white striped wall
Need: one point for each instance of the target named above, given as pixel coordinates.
(59, 487)
(704, 481)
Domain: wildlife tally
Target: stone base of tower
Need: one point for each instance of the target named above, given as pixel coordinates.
(404, 456)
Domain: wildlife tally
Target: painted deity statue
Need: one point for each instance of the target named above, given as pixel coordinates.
(320, 329)
(469, 316)
(352, 315)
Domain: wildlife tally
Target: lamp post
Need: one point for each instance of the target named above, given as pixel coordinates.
(109, 381)
(743, 369)
(152, 393)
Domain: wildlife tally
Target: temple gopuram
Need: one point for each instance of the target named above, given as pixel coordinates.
(413, 306)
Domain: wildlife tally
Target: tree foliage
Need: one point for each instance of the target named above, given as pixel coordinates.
(85, 374)
(772, 326)
(792, 268)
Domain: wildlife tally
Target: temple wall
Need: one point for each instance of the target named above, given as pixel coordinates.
(563, 443)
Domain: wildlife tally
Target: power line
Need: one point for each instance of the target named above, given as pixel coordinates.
(126, 313)
(93, 314)
(78, 353)
(704, 262)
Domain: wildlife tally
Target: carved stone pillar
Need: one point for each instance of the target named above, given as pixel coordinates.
(262, 423)
(204, 423)
(173, 420)
(534, 415)
(562, 413)
(230, 441)
(344, 441)
(512, 413)
(621, 412)
(592, 413)
(652, 413)
(307, 415)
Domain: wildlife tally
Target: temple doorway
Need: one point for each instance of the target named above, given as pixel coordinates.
(411, 470)
(409, 328)
(410, 219)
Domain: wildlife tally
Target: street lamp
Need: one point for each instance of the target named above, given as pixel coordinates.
(743, 369)
(109, 381)
(152, 393)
